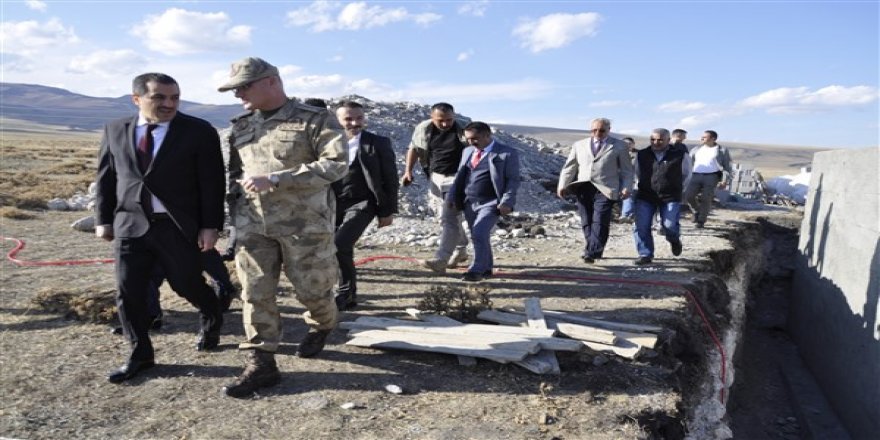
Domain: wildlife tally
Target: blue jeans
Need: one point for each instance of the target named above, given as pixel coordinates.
(481, 218)
(627, 207)
(645, 209)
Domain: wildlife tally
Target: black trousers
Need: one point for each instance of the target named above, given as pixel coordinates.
(165, 245)
(595, 212)
(352, 219)
(213, 265)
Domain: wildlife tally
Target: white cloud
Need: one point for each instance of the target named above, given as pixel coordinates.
(475, 8)
(323, 16)
(108, 63)
(30, 37)
(802, 99)
(681, 106)
(180, 32)
(336, 59)
(556, 30)
(36, 5)
(612, 103)
(464, 56)
(521, 90)
(702, 120)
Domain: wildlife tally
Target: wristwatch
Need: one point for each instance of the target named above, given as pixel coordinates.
(274, 179)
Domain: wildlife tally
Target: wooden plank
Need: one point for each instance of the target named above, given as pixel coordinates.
(378, 323)
(541, 336)
(647, 340)
(500, 356)
(510, 349)
(432, 318)
(534, 315)
(630, 352)
(610, 325)
(544, 361)
(488, 342)
(585, 333)
(602, 335)
(500, 317)
(467, 361)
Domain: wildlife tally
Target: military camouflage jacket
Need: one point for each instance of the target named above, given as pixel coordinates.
(305, 148)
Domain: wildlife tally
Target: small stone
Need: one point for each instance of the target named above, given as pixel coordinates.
(518, 233)
(314, 402)
(348, 405)
(393, 389)
(57, 205)
(600, 360)
(85, 224)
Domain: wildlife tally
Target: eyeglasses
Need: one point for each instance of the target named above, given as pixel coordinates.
(247, 86)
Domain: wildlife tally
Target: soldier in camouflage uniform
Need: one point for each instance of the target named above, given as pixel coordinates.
(283, 157)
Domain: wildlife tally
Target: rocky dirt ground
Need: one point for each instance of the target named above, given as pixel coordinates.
(53, 369)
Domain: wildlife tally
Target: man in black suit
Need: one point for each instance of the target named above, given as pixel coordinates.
(160, 200)
(368, 191)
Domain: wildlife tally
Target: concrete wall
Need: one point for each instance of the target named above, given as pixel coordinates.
(834, 306)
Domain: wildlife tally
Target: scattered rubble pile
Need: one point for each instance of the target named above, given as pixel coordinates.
(526, 338)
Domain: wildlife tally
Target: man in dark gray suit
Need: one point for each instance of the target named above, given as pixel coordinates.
(485, 187)
(160, 200)
(598, 172)
(368, 191)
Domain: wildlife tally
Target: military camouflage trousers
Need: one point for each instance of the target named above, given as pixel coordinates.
(309, 261)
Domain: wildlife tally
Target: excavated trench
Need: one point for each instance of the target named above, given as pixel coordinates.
(743, 291)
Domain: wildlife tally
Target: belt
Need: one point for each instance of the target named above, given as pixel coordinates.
(156, 216)
(708, 174)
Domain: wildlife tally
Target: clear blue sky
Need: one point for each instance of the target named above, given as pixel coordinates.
(793, 72)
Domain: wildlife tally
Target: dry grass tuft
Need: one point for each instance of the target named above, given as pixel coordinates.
(84, 305)
(455, 302)
(14, 213)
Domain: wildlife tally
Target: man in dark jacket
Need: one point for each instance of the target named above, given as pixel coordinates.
(368, 191)
(160, 200)
(662, 171)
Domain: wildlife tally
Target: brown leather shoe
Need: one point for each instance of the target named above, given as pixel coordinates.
(260, 371)
(312, 344)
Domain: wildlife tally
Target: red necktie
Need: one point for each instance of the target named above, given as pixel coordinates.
(475, 159)
(145, 148)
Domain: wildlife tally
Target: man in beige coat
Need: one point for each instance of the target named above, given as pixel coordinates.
(598, 172)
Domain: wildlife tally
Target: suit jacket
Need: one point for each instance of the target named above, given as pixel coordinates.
(610, 171)
(186, 175)
(503, 169)
(380, 171)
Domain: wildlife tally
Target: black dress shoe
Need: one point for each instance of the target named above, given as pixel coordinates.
(207, 341)
(588, 260)
(472, 277)
(641, 261)
(676, 247)
(345, 301)
(130, 370)
(487, 274)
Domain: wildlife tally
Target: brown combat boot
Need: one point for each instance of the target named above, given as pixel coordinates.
(259, 372)
(313, 343)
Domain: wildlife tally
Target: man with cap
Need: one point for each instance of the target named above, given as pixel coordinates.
(283, 157)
